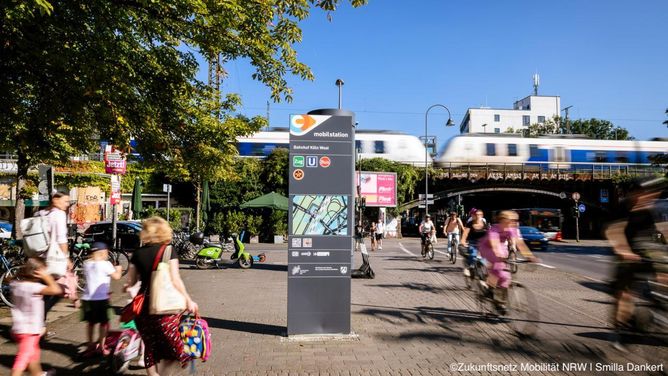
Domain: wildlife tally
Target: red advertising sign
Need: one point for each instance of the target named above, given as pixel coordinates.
(379, 188)
(115, 197)
(114, 161)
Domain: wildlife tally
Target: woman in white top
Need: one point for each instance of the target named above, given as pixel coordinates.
(380, 230)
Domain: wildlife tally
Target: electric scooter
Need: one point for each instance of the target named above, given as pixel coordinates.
(212, 255)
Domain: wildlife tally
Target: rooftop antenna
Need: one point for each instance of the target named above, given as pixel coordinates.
(536, 83)
(268, 112)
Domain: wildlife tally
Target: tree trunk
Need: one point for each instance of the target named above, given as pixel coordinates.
(198, 201)
(19, 207)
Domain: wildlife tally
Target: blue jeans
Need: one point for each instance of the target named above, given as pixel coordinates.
(473, 253)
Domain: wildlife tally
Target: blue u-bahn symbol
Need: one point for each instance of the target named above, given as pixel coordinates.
(582, 208)
(311, 161)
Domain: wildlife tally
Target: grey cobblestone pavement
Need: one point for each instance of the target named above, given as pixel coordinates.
(415, 318)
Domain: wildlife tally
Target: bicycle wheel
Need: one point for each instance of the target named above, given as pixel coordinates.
(5, 290)
(453, 253)
(81, 277)
(430, 251)
(120, 258)
(522, 310)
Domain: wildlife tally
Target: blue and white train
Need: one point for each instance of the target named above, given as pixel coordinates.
(393, 146)
(502, 149)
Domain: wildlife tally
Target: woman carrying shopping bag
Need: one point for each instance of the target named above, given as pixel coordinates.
(157, 267)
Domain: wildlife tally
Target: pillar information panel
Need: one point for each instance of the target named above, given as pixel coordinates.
(320, 222)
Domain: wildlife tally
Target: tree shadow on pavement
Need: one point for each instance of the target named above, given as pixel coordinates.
(422, 287)
(628, 338)
(433, 269)
(597, 286)
(248, 327)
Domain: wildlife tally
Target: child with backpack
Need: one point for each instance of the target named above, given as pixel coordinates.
(29, 288)
(95, 299)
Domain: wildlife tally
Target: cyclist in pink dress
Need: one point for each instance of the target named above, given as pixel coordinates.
(493, 248)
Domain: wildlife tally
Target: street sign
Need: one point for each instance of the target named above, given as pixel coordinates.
(421, 197)
(167, 188)
(575, 196)
(115, 190)
(605, 196)
(582, 208)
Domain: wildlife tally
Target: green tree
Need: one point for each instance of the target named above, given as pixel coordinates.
(599, 129)
(275, 171)
(550, 126)
(73, 72)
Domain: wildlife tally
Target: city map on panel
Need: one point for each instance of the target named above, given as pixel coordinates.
(319, 215)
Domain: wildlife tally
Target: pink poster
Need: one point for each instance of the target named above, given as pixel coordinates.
(379, 188)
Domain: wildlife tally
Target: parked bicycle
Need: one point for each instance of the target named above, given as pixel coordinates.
(11, 259)
(520, 312)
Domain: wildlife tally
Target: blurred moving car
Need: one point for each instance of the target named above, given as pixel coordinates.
(535, 240)
(127, 233)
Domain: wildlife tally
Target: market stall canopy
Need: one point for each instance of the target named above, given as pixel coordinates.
(271, 200)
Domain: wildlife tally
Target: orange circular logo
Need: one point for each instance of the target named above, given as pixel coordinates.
(298, 174)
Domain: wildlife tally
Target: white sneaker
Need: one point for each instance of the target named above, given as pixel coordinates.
(380, 248)
(467, 272)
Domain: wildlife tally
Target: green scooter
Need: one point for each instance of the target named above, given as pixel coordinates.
(212, 255)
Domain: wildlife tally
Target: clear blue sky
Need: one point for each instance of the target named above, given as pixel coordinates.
(606, 58)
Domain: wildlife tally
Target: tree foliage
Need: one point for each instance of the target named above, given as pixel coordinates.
(73, 72)
(592, 128)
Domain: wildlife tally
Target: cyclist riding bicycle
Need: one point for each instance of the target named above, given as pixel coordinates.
(495, 252)
(426, 228)
(635, 243)
(473, 232)
(452, 228)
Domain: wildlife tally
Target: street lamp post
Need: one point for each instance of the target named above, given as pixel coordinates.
(449, 123)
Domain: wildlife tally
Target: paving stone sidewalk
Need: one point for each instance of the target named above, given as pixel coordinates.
(415, 318)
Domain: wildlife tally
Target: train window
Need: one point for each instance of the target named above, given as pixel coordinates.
(491, 149)
(622, 157)
(512, 150)
(600, 156)
(379, 147)
(533, 151)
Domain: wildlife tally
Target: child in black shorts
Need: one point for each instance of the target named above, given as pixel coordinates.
(95, 299)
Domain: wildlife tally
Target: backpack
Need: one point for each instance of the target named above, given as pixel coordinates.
(36, 235)
(196, 337)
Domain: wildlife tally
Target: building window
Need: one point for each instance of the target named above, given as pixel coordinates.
(491, 149)
(358, 146)
(512, 150)
(526, 120)
(497, 130)
(541, 119)
(379, 147)
(497, 118)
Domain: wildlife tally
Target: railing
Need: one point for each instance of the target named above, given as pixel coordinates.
(546, 170)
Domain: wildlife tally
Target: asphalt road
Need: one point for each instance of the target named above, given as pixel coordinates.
(591, 259)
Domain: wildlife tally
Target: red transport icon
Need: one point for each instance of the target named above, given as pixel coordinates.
(325, 161)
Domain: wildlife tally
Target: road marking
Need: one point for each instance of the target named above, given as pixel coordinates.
(443, 253)
(545, 265)
(405, 250)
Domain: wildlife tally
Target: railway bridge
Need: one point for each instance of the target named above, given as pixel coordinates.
(532, 185)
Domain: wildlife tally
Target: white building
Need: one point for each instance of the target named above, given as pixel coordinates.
(530, 110)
